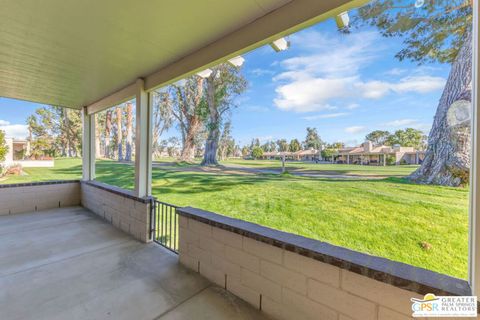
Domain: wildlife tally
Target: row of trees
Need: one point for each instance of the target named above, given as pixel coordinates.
(200, 108)
(115, 132)
(3, 146)
(408, 137)
(312, 141)
(55, 131)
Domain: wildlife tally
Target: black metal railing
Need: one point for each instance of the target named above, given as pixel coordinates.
(164, 222)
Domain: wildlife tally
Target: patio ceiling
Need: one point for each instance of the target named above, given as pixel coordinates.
(74, 53)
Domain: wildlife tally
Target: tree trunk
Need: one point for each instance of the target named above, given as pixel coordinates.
(128, 146)
(188, 149)
(108, 129)
(211, 145)
(97, 138)
(447, 159)
(68, 145)
(119, 134)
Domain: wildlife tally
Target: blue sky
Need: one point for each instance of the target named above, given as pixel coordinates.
(345, 85)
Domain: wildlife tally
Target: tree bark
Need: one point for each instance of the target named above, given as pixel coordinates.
(119, 134)
(128, 143)
(211, 145)
(108, 130)
(193, 124)
(97, 137)
(447, 159)
(189, 143)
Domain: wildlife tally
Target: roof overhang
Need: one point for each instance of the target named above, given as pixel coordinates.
(90, 53)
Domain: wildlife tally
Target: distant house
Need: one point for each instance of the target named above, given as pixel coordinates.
(19, 152)
(301, 155)
(368, 154)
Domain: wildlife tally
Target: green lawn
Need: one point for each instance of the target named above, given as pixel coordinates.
(387, 217)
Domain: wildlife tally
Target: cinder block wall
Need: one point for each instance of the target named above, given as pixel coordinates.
(119, 207)
(284, 284)
(31, 197)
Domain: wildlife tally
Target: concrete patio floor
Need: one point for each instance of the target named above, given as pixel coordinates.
(68, 264)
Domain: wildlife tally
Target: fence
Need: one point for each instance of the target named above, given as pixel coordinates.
(164, 222)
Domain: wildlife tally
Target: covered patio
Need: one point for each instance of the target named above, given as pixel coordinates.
(86, 250)
(68, 264)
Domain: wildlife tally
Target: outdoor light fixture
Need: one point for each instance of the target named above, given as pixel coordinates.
(236, 61)
(205, 73)
(342, 20)
(280, 45)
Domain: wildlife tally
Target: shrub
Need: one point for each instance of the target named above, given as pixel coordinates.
(257, 152)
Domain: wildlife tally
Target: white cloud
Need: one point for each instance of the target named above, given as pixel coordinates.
(407, 123)
(401, 123)
(396, 71)
(309, 94)
(418, 84)
(330, 70)
(352, 106)
(19, 131)
(325, 72)
(355, 129)
(261, 72)
(326, 116)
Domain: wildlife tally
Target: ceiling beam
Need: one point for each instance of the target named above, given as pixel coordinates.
(292, 17)
(114, 99)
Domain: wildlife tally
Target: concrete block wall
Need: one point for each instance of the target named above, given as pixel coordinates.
(284, 284)
(119, 207)
(31, 197)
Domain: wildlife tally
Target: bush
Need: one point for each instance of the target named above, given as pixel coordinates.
(257, 152)
(14, 170)
(390, 160)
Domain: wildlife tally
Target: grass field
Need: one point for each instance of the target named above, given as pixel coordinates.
(388, 217)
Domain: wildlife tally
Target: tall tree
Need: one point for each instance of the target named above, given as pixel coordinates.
(378, 137)
(407, 138)
(246, 151)
(184, 100)
(119, 132)
(129, 131)
(98, 133)
(225, 147)
(257, 152)
(313, 140)
(294, 145)
(108, 132)
(3, 146)
(55, 131)
(222, 86)
(162, 119)
(282, 145)
(436, 31)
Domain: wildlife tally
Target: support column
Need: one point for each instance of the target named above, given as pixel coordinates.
(474, 230)
(143, 142)
(88, 146)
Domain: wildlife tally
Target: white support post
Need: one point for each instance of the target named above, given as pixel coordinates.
(143, 142)
(88, 147)
(474, 230)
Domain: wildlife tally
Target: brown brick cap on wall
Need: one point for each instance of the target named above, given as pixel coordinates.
(398, 274)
